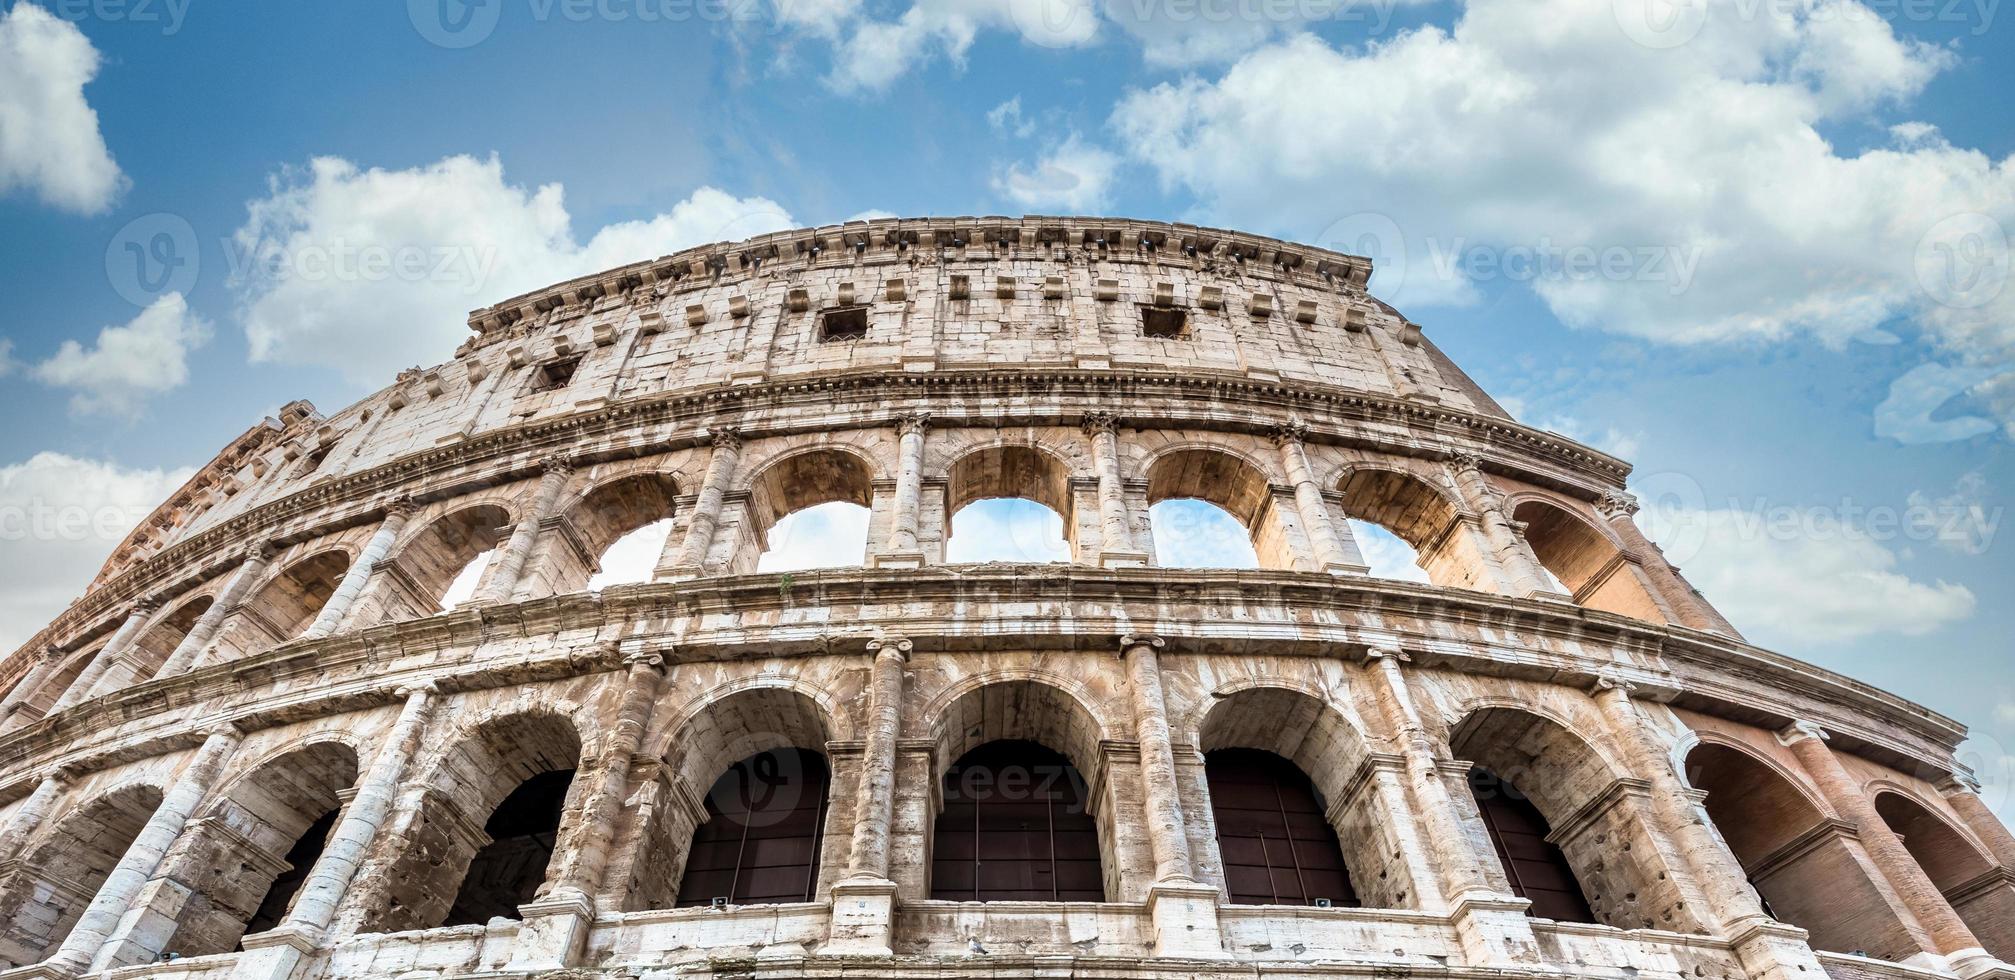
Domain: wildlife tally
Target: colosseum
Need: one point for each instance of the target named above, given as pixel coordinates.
(267, 744)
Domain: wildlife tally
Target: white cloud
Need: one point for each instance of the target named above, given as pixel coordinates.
(131, 363)
(7, 362)
(59, 518)
(829, 535)
(869, 54)
(1199, 534)
(1796, 579)
(1006, 529)
(1073, 177)
(49, 139)
(370, 271)
(1386, 554)
(1961, 521)
(1006, 120)
(1728, 214)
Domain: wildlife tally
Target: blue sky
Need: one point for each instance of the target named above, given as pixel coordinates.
(1759, 247)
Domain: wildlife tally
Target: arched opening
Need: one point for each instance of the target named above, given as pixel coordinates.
(1961, 872)
(444, 565)
(1008, 503)
(283, 608)
(761, 839)
(837, 485)
(1291, 773)
(153, 647)
(240, 866)
(1186, 486)
(1277, 845)
(613, 536)
(1408, 530)
(1583, 563)
(1543, 789)
(62, 871)
(1015, 828)
(1807, 868)
(754, 759)
(1015, 821)
(486, 826)
(37, 704)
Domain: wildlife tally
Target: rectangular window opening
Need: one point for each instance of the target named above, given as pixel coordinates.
(843, 324)
(554, 374)
(1164, 323)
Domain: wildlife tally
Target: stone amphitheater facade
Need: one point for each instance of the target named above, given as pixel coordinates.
(258, 747)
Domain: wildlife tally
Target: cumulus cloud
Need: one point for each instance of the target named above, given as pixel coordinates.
(1961, 521)
(147, 356)
(49, 140)
(870, 54)
(60, 517)
(7, 362)
(1073, 177)
(1697, 203)
(1798, 578)
(370, 271)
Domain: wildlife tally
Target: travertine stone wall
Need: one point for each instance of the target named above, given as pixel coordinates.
(271, 649)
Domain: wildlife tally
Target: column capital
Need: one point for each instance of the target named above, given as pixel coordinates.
(1100, 422)
(1394, 654)
(652, 659)
(62, 775)
(1606, 683)
(1617, 504)
(404, 691)
(724, 438)
(142, 607)
(891, 645)
(261, 550)
(1958, 784)
(227, 728)
(1801, 730)
(1293, 433)
(1128, 642)
(400, 506)
(49, 655)
(558, 464)
(1463, 460)
(913, 423)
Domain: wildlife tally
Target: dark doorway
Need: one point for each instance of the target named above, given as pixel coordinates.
(1014, 828)
(1277, 844)
(1537, 869)
(508, 871)
(300, 860)
(760, 844)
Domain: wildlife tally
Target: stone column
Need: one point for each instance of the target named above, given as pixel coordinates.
(1766, 947)
(1691, 609)
(1116, 546)
(29, 816)
(690, 559)
(1184, 911)
(502, 578)
(45, 664)
(864, 901)
(105, 925)
(902, 549)
(554, 933)
(136, 620)
(396, 515)
(249, 572)
(1521, 567)
(1335, 549)
(1490, 922)
(1953, 939)
(1964, 795)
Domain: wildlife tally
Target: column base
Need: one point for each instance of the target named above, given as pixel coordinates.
(863, 921)
(1122, 559)
(276, 954)
(1548, 595)
(1771, 950)
(1184, 914)
(676, 573)
(1978, 964)
(553, 932)
(1494, 929)
(1345, 568)
(898, 559)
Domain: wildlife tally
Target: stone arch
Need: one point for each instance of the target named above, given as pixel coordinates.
(1420, 512)
(1322, 743)
(64, 867)
(1010, 470)
(58, 683)
(1020, 709)
(284, 606)
(437, 876)
(153, 646)
(1578, 801)
(796, 481)
(1230, 481)
(709, 772)
(597, 518)
(1585, 559)
(1956, 864)
(416, 579)
(236, 867)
